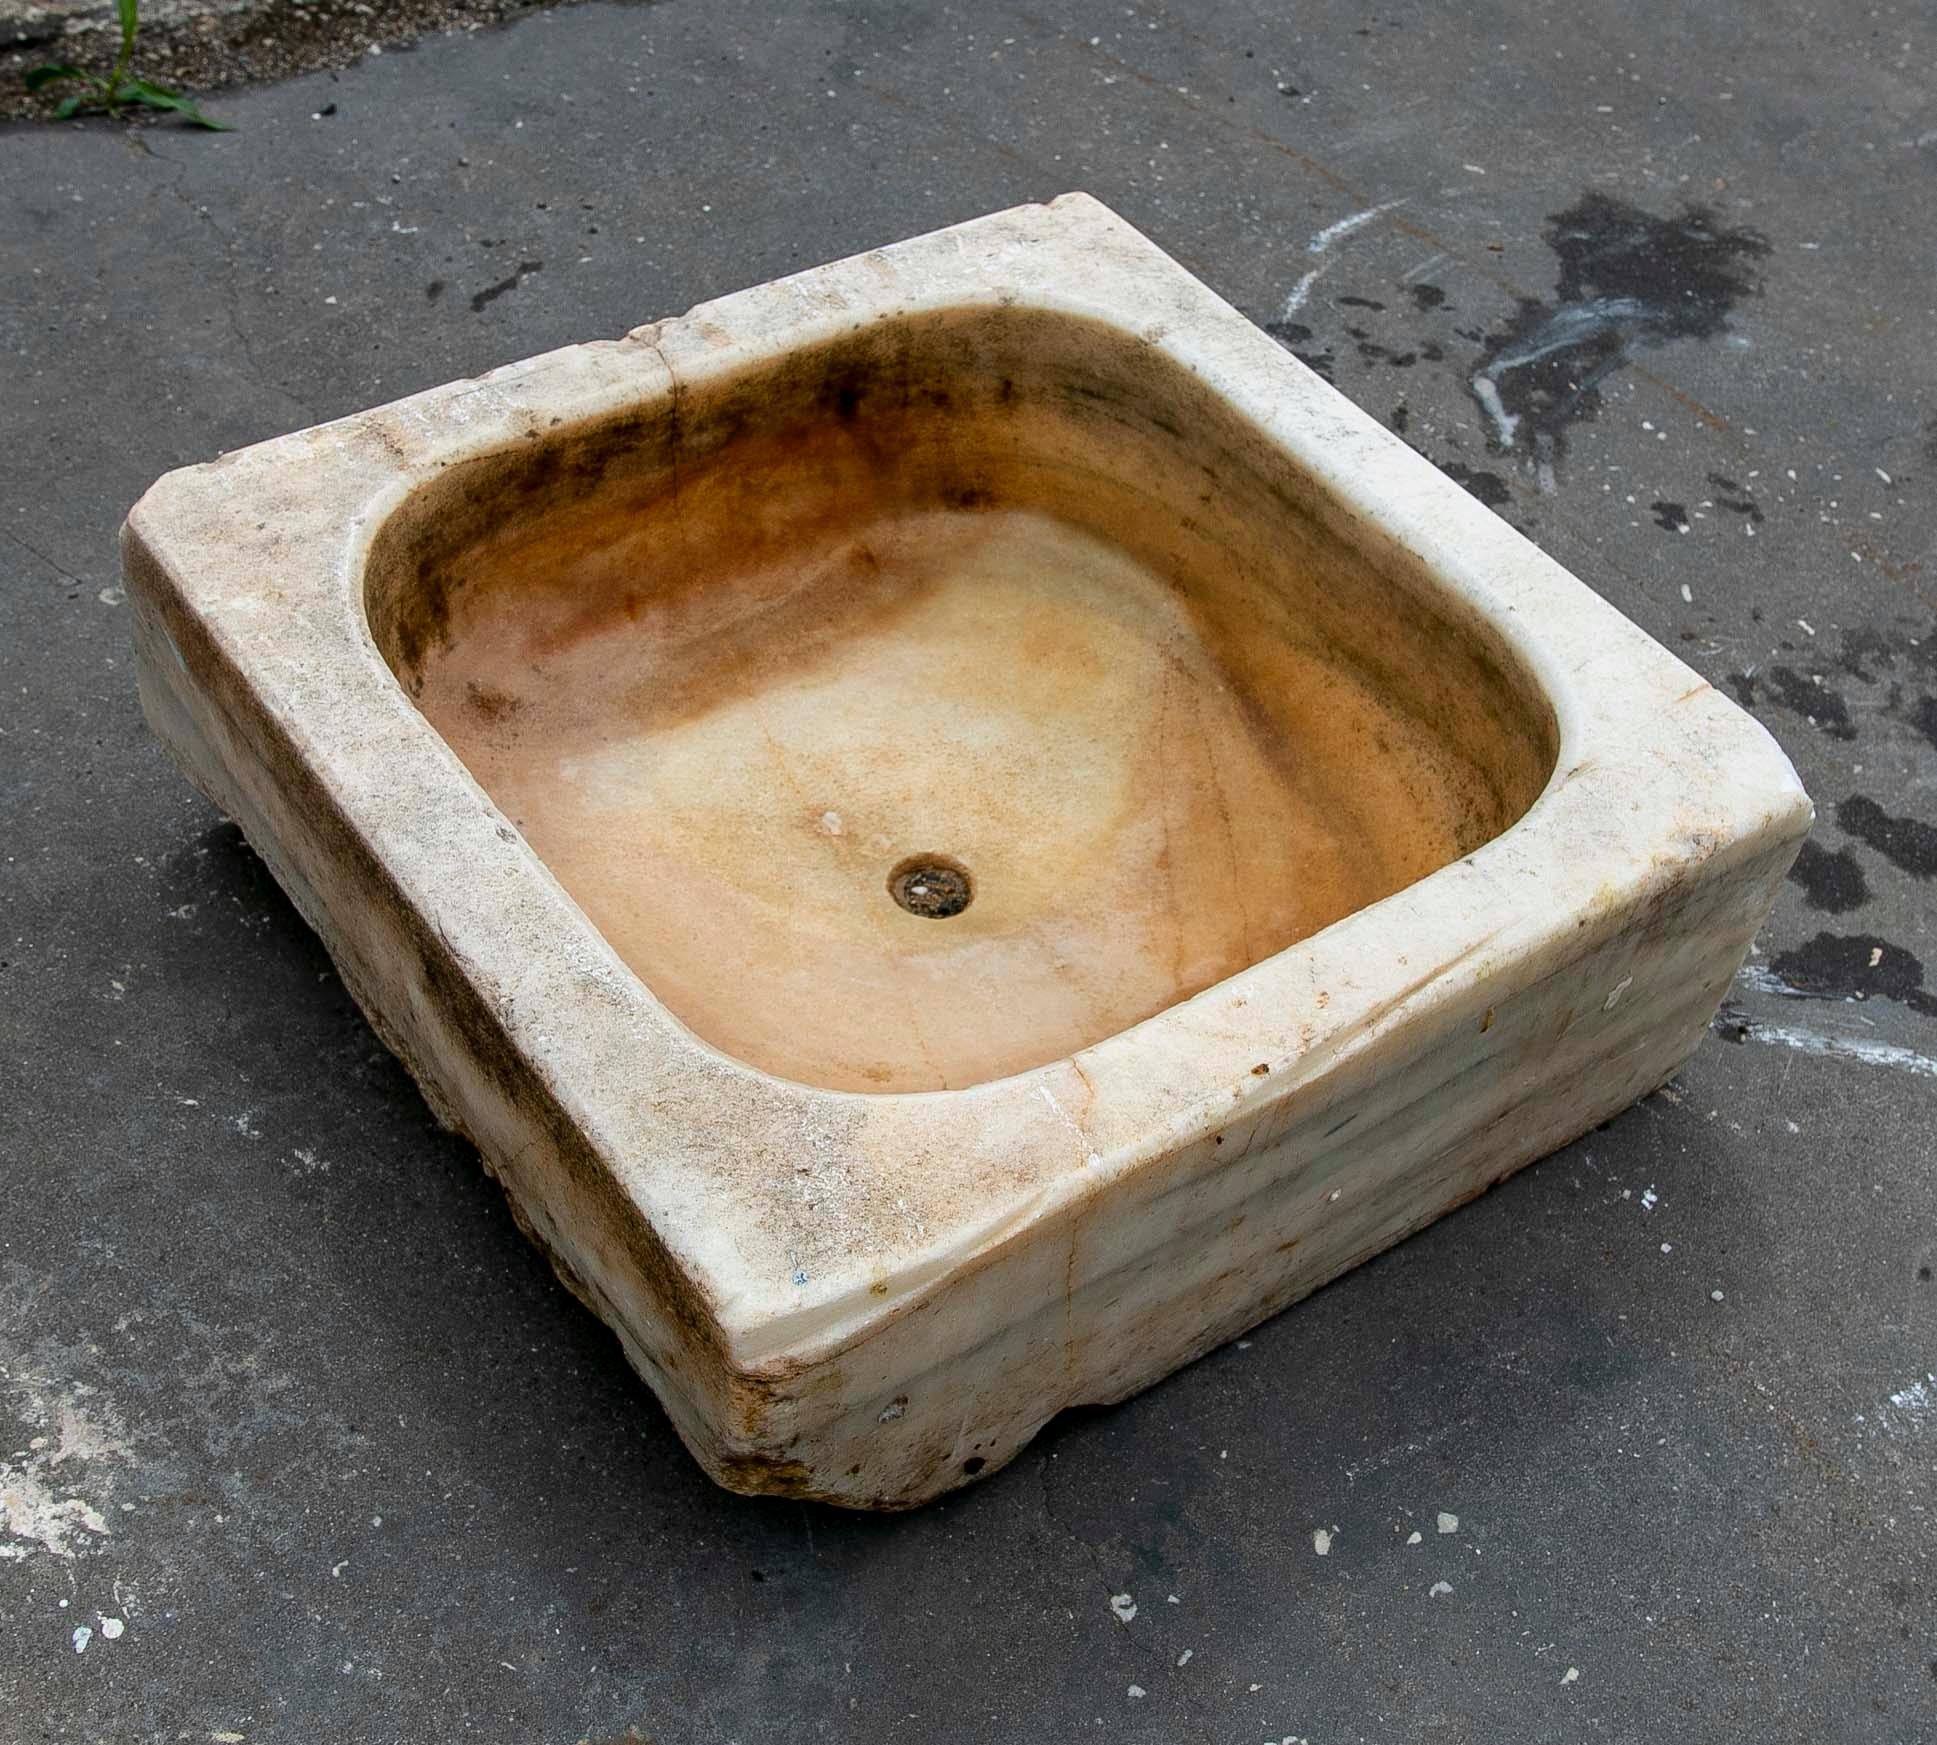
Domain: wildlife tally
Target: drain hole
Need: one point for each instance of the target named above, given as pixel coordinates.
(932, 886)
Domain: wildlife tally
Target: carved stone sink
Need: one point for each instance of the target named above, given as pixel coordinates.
(957, 828)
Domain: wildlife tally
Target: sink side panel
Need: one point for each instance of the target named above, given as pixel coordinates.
(421, 1003)
(1238, 1224)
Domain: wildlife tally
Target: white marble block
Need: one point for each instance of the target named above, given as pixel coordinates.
(956, 828)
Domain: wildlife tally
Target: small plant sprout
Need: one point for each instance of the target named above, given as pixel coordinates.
(111, 92)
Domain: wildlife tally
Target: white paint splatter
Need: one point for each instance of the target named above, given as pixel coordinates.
(1415, 1537)
(1184, 1658)
(1320, 243)
(1649, 1198)
(831, 823)
(1321, 1542)
(1447, 1523)
(1571, 325)
(1714, 1296)
(111, 1629)
(1124, 1606)
(1620, 988)
(1487, 391)
(38, 1509)
(1295, 297)
(1571, 1675)
(1135, 1692)
(1824, 1046)
(33, 1516)
(1439, 1590)
(1758, 978)
(1917, 1404)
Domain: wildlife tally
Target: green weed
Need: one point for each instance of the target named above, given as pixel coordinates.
(118, 89)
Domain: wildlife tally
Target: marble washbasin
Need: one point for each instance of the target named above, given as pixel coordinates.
(957, 828)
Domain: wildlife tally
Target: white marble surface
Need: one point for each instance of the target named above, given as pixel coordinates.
(872, 1298)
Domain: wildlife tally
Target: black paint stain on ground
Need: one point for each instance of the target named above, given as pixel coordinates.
(1425, 297)
(491, 293)
(1903, 664)
(1627, 280)
(1866, 648)
(1924, 718)
(1295, 337)
(1801, 694)
(1401, 417)
(1360, 303)
(1670, 517)
(1832, 884)
(1737, 499)
(433, 290)
(1908, 843)
(1846, 966)
(1490, 488)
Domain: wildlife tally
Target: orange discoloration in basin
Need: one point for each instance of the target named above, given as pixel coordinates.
(1007, 591)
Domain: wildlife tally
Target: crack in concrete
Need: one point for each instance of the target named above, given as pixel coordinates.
(67, 575)
(230, 295)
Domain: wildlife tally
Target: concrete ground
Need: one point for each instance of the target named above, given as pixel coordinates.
(302, 1442)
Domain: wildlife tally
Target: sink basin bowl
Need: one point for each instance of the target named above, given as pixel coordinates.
(957, 828)
(998, 588)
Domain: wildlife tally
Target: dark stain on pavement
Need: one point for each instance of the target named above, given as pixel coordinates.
(1801, 694)
(1490, 488)
(1904, 842)
(1838, 966)
(1924, 718)
(491, 293)
(1627, 280)
(1832, 884)
(1295, 337)
(1737, 499)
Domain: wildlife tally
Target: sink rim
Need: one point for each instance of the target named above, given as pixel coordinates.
(264, 553)
(436, 577)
